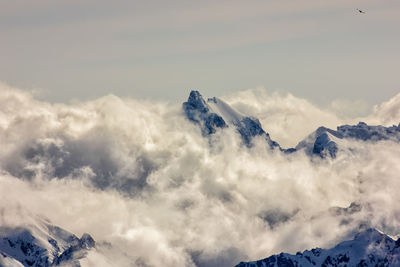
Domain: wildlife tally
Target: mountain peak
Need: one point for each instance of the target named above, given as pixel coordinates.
(215, 114)
(198, 111)
(197, 102)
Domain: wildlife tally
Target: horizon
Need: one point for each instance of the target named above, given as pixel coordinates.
(318, 51)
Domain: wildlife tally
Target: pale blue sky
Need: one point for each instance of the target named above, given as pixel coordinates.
(320, 50)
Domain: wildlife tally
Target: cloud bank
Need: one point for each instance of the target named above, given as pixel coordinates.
(141, 179)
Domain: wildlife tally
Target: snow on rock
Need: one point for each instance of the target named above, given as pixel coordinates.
(215, 113)
(323, 142)
(42, 244)
(365, 132)
(368, 248)
(327, 142)
(198, 111)
(7, 261)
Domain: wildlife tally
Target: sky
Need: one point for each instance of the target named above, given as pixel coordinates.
(319, 50)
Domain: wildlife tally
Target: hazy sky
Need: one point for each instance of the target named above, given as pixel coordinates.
(320, 50)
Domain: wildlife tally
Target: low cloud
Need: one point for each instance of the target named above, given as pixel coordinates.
(152, 191)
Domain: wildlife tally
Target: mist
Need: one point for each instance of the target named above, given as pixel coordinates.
(151, 190)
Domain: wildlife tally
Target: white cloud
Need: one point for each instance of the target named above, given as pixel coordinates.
(347, 109)
(388, 112)
(287, 118)
(137, 174)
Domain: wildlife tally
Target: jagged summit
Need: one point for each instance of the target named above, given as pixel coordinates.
(196, 102)
(215, 113)
(368, 248)
(198, 111)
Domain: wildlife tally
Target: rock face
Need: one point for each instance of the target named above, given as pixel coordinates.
(325, 145)
(323, 142)
(368, 248)
(42, 245)
(198, 111)
(215, 114)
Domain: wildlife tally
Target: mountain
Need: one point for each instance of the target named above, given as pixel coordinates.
(42, 245)
(215, 114)
(326, 142)
(323, 142)
(368, 248)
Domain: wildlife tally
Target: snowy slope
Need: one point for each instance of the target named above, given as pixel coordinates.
(221, 108)
(368, 248)
(8, 261)
(41, 244)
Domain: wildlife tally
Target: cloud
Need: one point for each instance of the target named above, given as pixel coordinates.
(346, 109)
(152, 191)
(287, 118)
(388, 112)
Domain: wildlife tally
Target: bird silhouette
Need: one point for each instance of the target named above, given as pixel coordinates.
(362, 12)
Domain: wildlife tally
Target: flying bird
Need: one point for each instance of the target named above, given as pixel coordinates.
(362, 12)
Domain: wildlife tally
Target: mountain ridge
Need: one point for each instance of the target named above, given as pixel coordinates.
(214, 114)
(368, 248)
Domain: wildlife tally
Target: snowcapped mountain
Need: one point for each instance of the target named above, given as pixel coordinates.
(326, 142)
(215, 113)
(42, 244)
(323, 142)
(369, 248)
